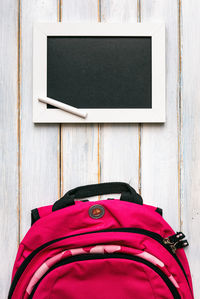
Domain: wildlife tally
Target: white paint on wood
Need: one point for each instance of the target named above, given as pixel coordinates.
(77, 11)
(8, 142)
(160, 142)
(116, 11)
(190, 175)
(119, 147)
(80, 161)
(79, 142)
(119, 154)
(39, 142)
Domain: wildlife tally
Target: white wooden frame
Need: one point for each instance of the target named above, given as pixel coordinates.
(155, 30)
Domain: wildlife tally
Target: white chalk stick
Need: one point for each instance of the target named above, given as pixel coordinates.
(63, 106)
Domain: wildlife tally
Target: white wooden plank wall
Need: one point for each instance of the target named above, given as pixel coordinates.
(40, 162)
(190, 133)
(8, 141)
(159, 143)
(39, 144)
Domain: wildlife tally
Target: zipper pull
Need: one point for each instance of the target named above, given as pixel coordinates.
(177, 237)
(176, 241)
(182, 244)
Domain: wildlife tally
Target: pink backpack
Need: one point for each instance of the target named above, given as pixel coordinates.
(112, 248)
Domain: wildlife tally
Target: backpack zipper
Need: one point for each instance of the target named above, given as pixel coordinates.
(176, 241)
(163, 241)
(86, 257)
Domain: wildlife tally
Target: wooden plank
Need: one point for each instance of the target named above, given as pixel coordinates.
(119, 143)
(190, 141)
(119, 154)
(79, 142)
(80, 161)
(159, 148)
(39, 143)
(78, 11)
(8, 141)
(115, 11)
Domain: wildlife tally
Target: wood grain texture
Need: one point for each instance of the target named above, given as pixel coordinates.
(8, 141)
(39, 143)
(190, 137)
(115, 11)
(78, 11)
(80, 160)
(160, 142)
(119, 153)
(79, 142)
(119, 144)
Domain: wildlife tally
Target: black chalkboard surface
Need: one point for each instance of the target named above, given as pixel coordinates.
(100, 72)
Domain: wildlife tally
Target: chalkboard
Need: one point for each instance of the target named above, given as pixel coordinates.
(100, 72)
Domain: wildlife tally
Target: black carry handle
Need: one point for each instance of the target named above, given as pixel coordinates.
(127, 193)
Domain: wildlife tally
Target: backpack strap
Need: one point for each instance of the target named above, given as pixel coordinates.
(34, 216)
(127, 193)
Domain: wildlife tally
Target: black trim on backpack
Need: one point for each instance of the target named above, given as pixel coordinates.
(87, 257)
(159, 211)
(34, 216)
(127, 193)
(63, 203)
(150, 234)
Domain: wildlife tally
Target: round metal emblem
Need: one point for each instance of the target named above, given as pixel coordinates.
(96, 211)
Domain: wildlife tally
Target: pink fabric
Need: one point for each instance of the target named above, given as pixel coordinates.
(96, 249)
(75, 220)
(82, 280)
